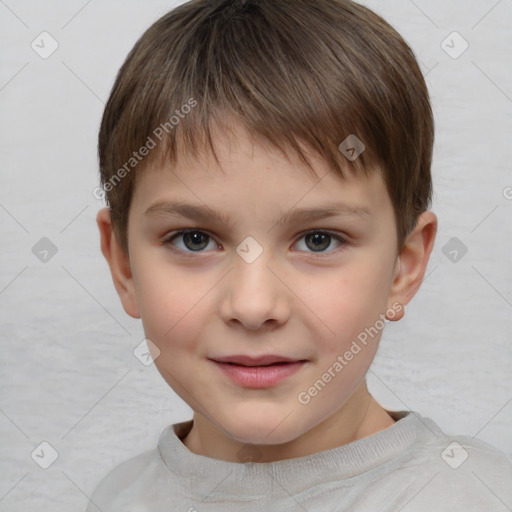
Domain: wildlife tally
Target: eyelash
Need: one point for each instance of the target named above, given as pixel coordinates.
(172, 236)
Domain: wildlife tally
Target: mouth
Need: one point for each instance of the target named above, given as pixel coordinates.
(257, 365)
(262, 360)
(260, 372)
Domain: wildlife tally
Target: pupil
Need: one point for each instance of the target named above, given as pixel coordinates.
(322, 238)
(194, 237)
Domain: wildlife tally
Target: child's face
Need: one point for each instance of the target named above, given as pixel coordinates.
(217, 300)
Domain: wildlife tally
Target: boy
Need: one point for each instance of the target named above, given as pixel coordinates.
(291, 141)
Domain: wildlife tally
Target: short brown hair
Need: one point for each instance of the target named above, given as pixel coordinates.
(297, 73)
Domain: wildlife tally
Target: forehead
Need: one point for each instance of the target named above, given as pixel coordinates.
(250, 174)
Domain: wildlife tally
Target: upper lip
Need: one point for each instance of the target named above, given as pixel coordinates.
(255, 361)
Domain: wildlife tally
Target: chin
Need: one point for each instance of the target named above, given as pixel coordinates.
(263, 429)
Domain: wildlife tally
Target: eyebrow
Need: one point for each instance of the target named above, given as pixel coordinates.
(203, 213)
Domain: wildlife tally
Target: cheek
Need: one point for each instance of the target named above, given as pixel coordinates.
(171, 303)
(348, 302)
(347, 307)
(173, 319)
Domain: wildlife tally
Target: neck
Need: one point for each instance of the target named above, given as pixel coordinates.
(360, 417)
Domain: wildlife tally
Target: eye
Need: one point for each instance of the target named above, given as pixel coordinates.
(318, 241)
(195, 241)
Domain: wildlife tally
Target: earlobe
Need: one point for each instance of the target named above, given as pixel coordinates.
(412, 262)
(119, 263)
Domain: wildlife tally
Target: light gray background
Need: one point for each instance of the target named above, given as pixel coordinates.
(69, 376)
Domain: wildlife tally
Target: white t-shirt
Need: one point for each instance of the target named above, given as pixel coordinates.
(411, 466)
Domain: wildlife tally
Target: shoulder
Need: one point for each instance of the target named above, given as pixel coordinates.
(126, 483)
(456, 452)
(460, 472)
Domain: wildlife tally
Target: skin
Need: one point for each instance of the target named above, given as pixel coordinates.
(287, 302)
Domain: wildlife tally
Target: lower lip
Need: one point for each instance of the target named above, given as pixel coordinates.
(259, 376)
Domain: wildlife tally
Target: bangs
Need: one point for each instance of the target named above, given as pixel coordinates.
(328, 78)
(287, 96)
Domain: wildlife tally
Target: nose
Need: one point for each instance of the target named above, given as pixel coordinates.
(255, 296)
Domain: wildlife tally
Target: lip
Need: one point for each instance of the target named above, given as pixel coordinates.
(262, 360)
(258, 377)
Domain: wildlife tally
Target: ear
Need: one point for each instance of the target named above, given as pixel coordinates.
(412, 262)
(119, 263)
